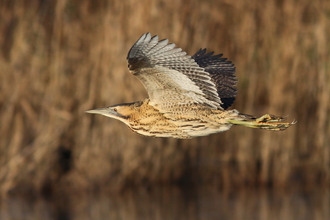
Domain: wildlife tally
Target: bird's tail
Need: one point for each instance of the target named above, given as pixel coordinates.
(269, 122)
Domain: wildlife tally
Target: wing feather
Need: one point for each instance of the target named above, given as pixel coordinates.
(170, 76)
(222, 73)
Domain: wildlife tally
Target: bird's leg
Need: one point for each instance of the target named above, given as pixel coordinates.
(267, 121)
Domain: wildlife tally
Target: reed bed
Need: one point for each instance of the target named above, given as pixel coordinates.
(60, 58)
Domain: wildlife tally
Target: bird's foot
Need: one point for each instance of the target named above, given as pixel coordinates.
(272, 122)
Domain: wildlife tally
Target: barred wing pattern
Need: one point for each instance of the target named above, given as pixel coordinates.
(171, 77)
(222, 73)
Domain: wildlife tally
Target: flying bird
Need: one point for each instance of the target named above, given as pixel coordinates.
(188, 95)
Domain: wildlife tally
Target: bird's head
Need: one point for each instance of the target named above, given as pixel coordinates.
(121, 112)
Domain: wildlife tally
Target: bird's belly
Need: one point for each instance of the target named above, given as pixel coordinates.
(204, 130)
(185, 125)
(181, 130)
(208, 131)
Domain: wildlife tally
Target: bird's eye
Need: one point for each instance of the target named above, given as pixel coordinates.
(115, 109)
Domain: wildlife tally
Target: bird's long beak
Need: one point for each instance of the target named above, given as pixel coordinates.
(104, 111)
(109, 112)
(101, 111)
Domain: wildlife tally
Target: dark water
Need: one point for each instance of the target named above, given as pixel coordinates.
(204, 203)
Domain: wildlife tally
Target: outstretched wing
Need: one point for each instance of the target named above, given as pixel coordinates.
(222, 73)
(171, 77)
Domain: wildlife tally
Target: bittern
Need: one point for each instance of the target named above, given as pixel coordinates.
(188, 95)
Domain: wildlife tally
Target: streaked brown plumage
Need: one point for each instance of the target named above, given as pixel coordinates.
(188, 96)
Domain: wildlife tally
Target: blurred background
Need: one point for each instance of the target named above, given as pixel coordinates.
(60, 58)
